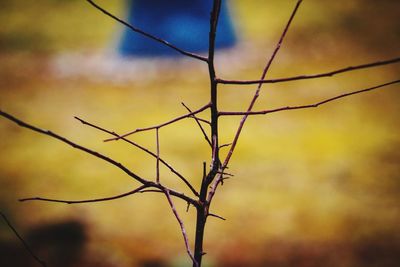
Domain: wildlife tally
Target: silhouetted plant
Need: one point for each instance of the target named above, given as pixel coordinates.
(213, 175)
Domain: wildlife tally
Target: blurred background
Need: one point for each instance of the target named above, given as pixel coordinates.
(317, 187)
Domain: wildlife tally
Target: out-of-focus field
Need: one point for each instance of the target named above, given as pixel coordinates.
(316, 187)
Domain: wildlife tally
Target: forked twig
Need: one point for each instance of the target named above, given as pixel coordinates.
(27, 247)
(148, 35)
(162, 124)
(199, 124)
(97, 155)
(143, 149)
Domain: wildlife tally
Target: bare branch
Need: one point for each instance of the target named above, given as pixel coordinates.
(226, 173)
(137, 190)
(187, 207)
(142, 189)
(143, 149)
(199, 124)
(217, 216)
(194, 116)
(225, 145)
(201, 120)
(98, 155)
(189, 201)
(213, 174)
(162, 124)
(215, 162)
(313, 76)
(262, 112)
(148, 35)
(152, 191)
(213, 31)
(158, 157)
(265, 71)
(253, 101)
(204, 171)
(183, 230)
(178, 195)
(41, 262)
(161, 189)
(74, 145)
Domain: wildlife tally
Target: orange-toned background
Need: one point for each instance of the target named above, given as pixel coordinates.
(315, 187)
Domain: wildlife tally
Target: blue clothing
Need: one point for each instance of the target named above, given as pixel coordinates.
(183, 23)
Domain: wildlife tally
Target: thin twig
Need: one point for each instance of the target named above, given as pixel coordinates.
(148, 35)
(182, 226)
(187, 207)
(137, 190)
(226, 173)
(151, 191)
(74, 145)
(217, 216)
(225, 145)
(199, 124)
(313, 76)
(202, 120)
(41, 262)
(162, 124)
(143, 149)
(262, 112)
(158, 157)
(199, 119)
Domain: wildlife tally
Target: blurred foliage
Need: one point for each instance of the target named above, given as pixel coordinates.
(308, 184)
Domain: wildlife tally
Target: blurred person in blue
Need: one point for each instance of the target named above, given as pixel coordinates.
(183, 23)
